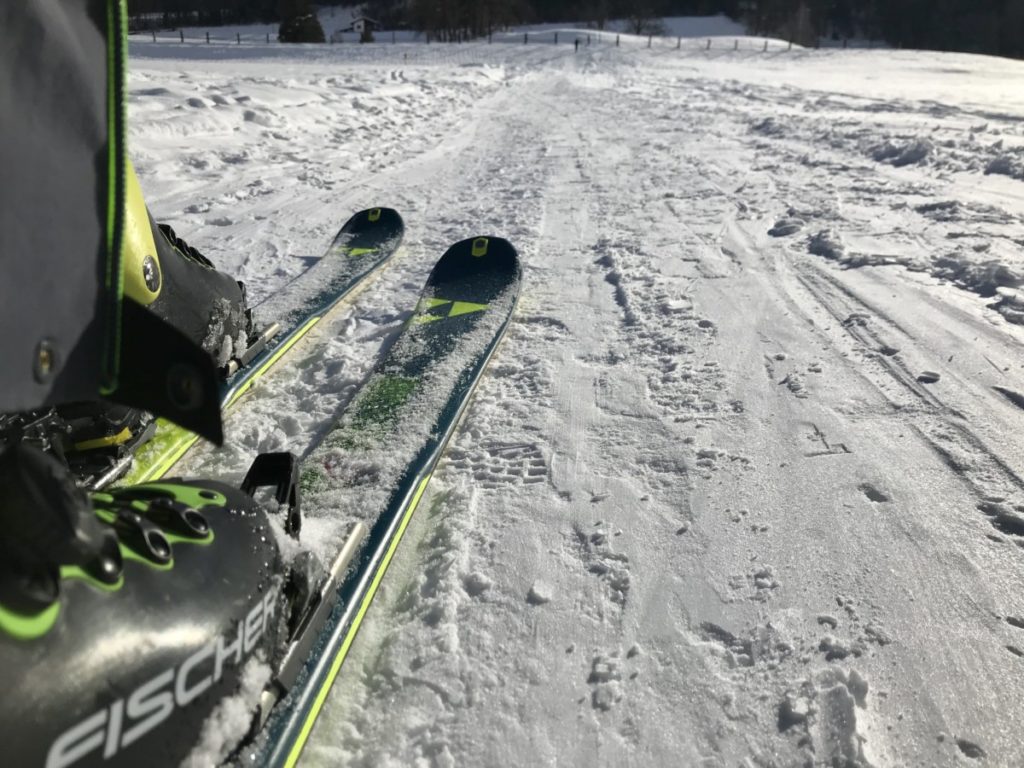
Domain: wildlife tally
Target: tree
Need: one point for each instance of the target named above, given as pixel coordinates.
(390, 13)
(642, 18)
(451, 20)
(299, 24)
(598, 15)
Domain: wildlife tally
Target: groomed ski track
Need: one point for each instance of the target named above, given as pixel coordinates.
(702, 509)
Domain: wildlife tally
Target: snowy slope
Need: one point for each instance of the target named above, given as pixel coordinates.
(744, 483)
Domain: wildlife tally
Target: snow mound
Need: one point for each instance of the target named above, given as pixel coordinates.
(913, 152)
(1006, 165)
(828, 244)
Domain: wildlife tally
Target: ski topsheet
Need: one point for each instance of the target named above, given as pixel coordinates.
(362, 245)
(363, 481)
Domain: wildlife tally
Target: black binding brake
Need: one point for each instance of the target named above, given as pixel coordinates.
(280, 471)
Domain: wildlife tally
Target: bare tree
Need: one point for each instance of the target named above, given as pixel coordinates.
(642, 20)
(451, 20)
(598, 13)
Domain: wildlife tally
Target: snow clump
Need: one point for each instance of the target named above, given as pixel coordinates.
(912, 153)
(828, 244)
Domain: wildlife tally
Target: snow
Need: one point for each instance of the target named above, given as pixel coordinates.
(743, 484)
(718, 25)
(231, 719)
(368, 460)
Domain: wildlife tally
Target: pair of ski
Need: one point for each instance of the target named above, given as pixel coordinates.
(362, 482)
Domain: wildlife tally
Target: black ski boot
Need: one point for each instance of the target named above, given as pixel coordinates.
(178, 284)
(127, 617)
(181, 286)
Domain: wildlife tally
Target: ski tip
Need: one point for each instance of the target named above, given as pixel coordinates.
(381, 215)
(376, 220)
(476, 255)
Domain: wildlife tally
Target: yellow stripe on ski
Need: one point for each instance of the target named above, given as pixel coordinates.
(168, 445)
(105, 442)
(339, 658)
(465, 308)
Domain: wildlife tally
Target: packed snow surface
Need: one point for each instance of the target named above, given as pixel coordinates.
(744, 484)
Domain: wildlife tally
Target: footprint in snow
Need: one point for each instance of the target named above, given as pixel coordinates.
(873, 494)
(787, 226)
(497, 464)
(970, 749)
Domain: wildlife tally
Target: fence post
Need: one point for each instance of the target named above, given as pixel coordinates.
(239, 36)
(268, 38)
(588, 38)
(709, 44)
(649, 38)
(207, 38)
(154, 35)
(526, 37)
(616, 41)
(766, 45)
(556, 38)
(790, 48)
(735, 45)
(679, 42)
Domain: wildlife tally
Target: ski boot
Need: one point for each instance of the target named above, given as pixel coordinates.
(178, 284)
(128, 617)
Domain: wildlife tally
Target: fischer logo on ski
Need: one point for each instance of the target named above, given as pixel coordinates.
(448, 308)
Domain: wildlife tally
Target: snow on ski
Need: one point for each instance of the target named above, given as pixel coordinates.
(362, 483)
(363, 244)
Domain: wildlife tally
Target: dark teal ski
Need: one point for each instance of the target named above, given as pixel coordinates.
(362, 483)
(362, 245)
